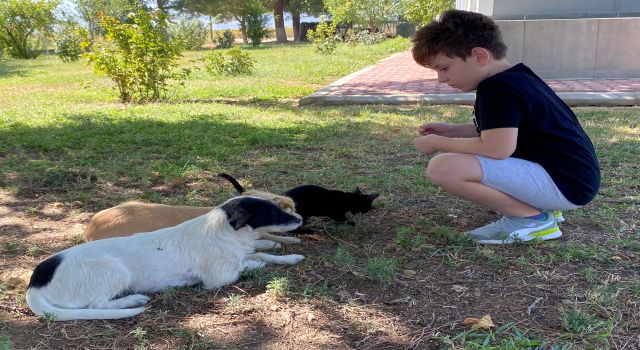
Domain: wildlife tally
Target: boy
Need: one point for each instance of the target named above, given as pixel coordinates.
(525, 155)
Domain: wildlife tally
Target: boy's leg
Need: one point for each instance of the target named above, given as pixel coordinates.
(461, 174)
(465, 176)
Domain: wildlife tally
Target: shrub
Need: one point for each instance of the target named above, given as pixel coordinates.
(224, 40)
(367, 38)
(190, 32)
(256, 25)
(69, 42)
(24, 24)
(324, 37)
(235, 62)
(138, 56)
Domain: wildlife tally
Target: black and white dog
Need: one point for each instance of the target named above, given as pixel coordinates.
(106, 279)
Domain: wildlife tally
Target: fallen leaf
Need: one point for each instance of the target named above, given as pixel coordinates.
(310, 317)
(483, 324)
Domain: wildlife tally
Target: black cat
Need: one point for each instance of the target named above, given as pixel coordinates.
(314, 200)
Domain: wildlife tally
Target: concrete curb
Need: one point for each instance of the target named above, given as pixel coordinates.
(574, 99)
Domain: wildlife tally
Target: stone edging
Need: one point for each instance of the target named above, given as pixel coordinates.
(322, 97)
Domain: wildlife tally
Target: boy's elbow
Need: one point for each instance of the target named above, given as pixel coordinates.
(501, 154)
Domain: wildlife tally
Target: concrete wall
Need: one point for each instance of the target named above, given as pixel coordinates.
(575, 48)
(530, 9)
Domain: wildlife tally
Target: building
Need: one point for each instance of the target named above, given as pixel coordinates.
(568, 38)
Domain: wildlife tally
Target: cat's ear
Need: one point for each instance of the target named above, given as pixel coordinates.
(357, 191)
(372, 196)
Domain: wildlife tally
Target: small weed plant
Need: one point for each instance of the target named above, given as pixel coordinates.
(234, 62)
(141, 336)
(381, 269)
(324, 37)
(5, 342)
(49, 318)
(343, 256)
(233, 299)
(278, 287)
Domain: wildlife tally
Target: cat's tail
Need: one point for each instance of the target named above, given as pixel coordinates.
(233, 181)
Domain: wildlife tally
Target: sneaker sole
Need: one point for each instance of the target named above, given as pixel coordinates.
(520, 236)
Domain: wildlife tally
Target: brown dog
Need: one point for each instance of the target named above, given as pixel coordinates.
(133, 217)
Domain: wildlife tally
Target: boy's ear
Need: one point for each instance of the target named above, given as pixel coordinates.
(480, 55)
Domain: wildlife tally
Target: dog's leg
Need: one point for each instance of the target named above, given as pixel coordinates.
(265, 244)
(133, 300)
(253, 264)
(279, 239)
(290, 259)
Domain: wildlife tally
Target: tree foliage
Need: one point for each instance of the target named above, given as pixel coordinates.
(24, 24)
(371, 14)
(91, 10)
(421, 12)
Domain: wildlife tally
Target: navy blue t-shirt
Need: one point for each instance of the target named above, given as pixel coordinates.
(548, 131)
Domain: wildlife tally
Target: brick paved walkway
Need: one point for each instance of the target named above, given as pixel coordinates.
(398, 79)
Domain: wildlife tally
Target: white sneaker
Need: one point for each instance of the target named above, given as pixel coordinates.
(511, 229)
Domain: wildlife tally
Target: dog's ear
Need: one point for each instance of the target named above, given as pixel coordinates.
(238, 218)
(357, 191)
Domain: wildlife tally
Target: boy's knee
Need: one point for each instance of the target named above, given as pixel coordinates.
(437, 169)
(448, 169)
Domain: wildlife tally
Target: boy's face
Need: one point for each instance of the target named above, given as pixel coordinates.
(458, 73)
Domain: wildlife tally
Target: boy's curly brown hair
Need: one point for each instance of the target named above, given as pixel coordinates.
(455, 34)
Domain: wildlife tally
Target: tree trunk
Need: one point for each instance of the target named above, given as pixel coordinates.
(161, 5)
(243, 29)
(295, 21)
(278, 16)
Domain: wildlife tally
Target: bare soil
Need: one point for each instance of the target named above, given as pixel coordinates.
(329, 306)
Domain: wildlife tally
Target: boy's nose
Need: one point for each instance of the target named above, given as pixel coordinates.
(442, 77)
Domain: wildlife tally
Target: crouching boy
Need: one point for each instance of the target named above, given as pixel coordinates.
(525, 155)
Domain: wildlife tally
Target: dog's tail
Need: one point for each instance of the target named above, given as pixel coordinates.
(233, 181)
(42, 307)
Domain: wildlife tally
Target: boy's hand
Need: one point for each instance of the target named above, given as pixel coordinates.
(442, 129)
(426, 144)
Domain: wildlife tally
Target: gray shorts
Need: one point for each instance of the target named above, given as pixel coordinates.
(525, 181)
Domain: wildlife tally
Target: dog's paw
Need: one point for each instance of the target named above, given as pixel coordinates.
(253, 264)
(139, 300)
(293, 259)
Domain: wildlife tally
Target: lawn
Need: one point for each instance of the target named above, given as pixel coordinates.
(399, 277)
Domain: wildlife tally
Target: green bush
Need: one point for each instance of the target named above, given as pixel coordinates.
(324, 37)
(190, 32)
(69, 42)
(24, 25)
(256, 25)
(224, 40)
(235, 62)
(138, 56)
(366, 38)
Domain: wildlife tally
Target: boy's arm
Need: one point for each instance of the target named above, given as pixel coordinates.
(493, 143)
(448, 130)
